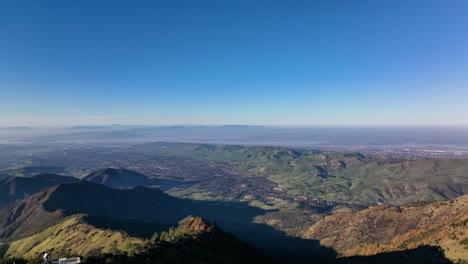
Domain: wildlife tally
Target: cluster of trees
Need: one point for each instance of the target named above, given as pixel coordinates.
(185, 244)
(193, 241)
(181, 232)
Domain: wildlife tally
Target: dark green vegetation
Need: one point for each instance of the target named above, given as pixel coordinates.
(77, 210)
(193, 241)
(297, 205)
(262, 173)
(52, 206)
(14, 260)
(331, 175)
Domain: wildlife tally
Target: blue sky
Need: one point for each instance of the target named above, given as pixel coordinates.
(292, 63)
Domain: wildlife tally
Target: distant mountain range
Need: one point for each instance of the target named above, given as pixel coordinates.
(18, 128)
(333, 137)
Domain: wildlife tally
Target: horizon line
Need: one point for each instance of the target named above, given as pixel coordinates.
(241, 125)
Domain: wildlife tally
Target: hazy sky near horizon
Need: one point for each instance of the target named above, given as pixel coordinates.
(220, 62)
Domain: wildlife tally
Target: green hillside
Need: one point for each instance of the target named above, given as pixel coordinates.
(153, 209)
(101, 223)
(332, 175)
(72, 236)
(193, 241)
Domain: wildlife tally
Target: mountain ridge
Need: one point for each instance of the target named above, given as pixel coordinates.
(119, 178)
(387, 228)
(13, 188)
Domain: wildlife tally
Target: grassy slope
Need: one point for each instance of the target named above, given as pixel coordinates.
(193, 241)
(335, 176)
(328, 175)
(428, 179)
(72, 236)
(390, 228)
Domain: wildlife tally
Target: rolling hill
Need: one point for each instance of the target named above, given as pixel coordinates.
(40, 210)
(52, 206)
(88, 217)
(333, 176)
(29, 171)
(14, 188)
(119, 178)
(193, 241)
(87, 210)
(72, 235)
(390, 228)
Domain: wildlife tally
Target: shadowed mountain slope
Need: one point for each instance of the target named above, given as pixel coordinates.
(49, 207)
(119, 178)
(35, 212)
(14, 188)
(193, 241)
